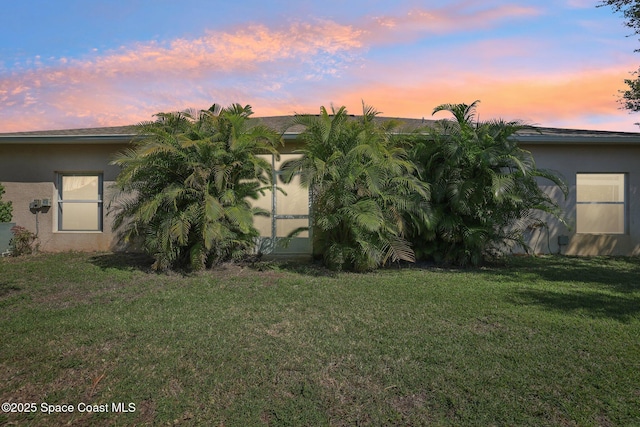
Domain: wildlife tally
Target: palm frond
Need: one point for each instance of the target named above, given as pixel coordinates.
(463, 113)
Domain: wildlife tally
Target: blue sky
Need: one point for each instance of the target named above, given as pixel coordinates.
(69, 64)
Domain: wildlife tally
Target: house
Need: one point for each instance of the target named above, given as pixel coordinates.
(60, 186)
(602, 209)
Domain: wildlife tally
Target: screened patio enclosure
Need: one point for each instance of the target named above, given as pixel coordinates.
(289, 206)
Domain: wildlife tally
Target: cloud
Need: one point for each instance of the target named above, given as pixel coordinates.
(464, 16)
(468, 15)
(581, 4)
(243, 50)
(155, 76)
(301, 65)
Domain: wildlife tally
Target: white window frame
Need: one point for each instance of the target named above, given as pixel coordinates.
(624, 203)
(299, 244)
(61, 201)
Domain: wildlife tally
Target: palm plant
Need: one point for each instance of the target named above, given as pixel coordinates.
(363, 187)
(484, 188)
(186, 185)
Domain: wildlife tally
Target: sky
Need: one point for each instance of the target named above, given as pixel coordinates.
(74, 63)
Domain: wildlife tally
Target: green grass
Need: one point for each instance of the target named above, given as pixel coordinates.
(538, 341)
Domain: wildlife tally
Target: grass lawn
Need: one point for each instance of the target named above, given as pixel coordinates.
(539, 341)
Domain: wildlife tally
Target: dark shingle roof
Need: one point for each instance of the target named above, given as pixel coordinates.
(284, 124)
(113, 130)
(279, 123)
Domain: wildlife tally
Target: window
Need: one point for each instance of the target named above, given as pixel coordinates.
(289, 212)
(79, 202)
(601, 203)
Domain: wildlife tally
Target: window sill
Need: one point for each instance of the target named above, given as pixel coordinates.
(78, 232)
(601, 234)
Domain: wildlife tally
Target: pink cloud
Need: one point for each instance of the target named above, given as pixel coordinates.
(466, 16)
(154, 76)
(242, 50)
(459, 16)
(298, 67)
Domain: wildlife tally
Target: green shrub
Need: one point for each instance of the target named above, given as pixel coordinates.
(362, 185)
(6, 208)
(187, 184)
(484, 188)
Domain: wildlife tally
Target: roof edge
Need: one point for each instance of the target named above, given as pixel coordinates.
(537, 135)
(67, 139)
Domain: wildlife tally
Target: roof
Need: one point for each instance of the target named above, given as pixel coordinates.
(545, 135)
(103, 135)
(123, 134)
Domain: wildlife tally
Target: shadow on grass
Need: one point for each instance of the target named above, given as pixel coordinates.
(621, 274)
(593, 304)
(123, 261)
(305, 268)
(142, 262)
(6, 288)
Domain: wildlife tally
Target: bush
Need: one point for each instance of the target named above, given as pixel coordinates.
(24, 242)
(6, 208)
(362, 185)
(187, 185)
(484, 188)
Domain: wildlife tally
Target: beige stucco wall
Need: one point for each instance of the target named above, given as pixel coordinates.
(28, 172)
(570, 160)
